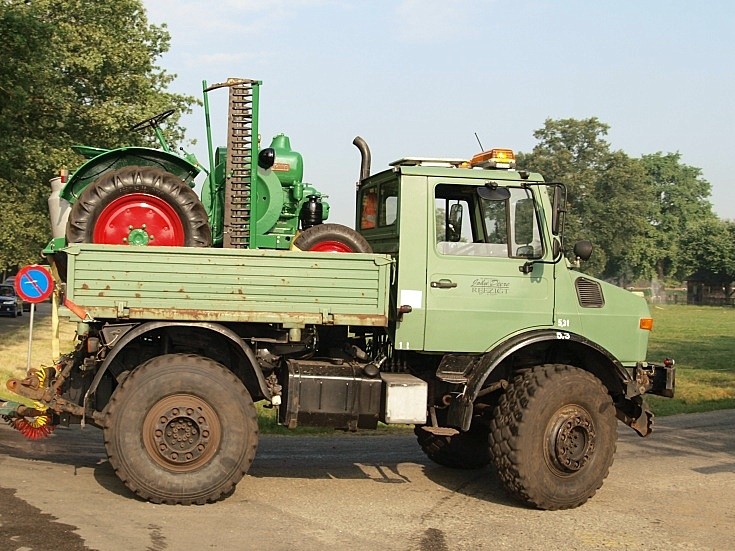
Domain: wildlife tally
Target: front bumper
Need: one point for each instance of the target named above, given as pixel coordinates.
(647, 378)
(652, 378)
(8, 308)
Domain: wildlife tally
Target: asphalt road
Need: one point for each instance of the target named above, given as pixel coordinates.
(673, 490)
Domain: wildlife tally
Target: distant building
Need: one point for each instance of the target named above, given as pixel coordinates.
(706, 288)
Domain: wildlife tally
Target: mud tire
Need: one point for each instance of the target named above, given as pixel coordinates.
(466, 450)
(156, 182)
(332, 238)
(150, 411)
(548, 415)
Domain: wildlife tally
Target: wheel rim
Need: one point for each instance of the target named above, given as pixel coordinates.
(331, 247)
(570, 440)
(139, 219)
(181, 432)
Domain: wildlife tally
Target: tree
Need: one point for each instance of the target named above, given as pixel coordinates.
(73, 71)
(708, 247)
(609, 197)
(681, 200)
(21, 230)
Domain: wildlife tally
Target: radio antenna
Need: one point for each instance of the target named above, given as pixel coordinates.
(479, 142)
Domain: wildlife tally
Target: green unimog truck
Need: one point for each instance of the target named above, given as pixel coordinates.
(467, 320)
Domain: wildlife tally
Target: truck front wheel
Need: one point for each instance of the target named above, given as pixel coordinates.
(552, 436)
(181, 429)
(139, 205)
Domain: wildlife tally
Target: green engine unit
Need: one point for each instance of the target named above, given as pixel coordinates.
(268, 218)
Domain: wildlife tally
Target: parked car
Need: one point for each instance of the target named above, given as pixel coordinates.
(10, 280)
(10, 303)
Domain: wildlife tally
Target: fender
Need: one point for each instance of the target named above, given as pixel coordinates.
(121, 157)
(460, 410)
(144, 328)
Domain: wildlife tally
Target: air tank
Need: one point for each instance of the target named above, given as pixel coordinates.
(58, 208)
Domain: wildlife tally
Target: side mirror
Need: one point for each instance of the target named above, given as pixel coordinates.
(526, 251)
(454, 225)
(557, 210)
(556, 249)
(583, 250)
(492, 192)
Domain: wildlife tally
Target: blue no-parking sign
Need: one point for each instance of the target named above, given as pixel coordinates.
(33, 283)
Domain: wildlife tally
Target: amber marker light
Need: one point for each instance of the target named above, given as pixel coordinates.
(646, 324)
(495, 158)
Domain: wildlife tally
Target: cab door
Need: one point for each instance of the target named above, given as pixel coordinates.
(476, 292)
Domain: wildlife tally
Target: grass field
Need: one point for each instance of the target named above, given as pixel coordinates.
(700, 339)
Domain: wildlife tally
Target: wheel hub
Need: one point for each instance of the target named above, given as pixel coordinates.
(138, 236)
(571, 439)
(181, 432)
(139, 219)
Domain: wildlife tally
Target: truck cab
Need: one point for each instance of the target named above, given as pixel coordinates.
(483, 286)
(484, 245)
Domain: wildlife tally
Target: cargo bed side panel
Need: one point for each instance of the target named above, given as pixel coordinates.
(230, 285)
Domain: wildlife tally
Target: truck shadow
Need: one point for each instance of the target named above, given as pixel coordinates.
(392, 459)
(707, 440)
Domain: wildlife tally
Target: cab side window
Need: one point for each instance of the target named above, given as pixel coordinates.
(379, 206)
(504, 225)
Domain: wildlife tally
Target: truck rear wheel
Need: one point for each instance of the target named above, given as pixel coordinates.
(139, 205)
(181, 429)
(553, 436)
(331, 238)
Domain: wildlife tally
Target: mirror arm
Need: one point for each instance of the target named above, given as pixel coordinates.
(527, 267)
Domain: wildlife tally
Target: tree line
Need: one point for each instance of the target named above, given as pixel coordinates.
(648, 217)
(73, 72)
(76, 71)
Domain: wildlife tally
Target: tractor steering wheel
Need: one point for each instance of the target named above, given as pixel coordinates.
(153, 121)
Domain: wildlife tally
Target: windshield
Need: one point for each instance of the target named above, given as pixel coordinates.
(7, 291)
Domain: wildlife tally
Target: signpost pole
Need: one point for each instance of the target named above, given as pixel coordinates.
(30, 337)
(33, 284)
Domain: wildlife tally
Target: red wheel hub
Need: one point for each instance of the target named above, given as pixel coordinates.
(331, 247)
(139, 219)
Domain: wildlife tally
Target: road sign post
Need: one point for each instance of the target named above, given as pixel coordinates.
(33, 284)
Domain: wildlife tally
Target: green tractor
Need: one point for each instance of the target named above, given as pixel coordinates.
(251, 199)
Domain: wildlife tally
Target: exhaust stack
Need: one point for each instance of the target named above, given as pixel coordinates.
(364, 158)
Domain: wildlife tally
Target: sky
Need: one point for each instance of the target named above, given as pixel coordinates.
(421, 77)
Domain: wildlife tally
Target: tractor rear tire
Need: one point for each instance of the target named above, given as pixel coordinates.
(552, 436)
(181, 429)
(331, 238)
(139, 205)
